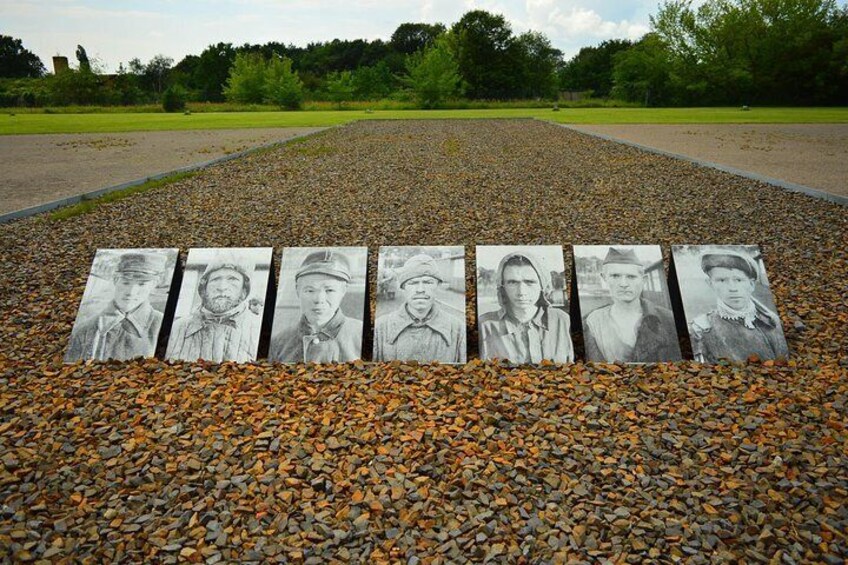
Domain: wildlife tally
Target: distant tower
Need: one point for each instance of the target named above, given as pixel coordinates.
(60, 64)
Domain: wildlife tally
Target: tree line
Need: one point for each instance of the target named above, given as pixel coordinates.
(725, 52)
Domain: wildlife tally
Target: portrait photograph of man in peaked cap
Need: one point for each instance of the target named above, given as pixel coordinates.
(214, 320)
(424, 319)
(122, 308)
(729, 308)
(320, 305)
(521, 304)
(625, 304)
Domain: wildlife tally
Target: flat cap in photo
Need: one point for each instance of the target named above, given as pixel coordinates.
(419, 266)
(145, 266)
(730, 260)
(331, 263)
(626, 256)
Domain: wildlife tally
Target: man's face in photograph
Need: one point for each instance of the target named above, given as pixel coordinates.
(732, 286)
(320, 296)
(420, 292)
(522, 286)
(224, 289)
(625, 281)
(131, 291)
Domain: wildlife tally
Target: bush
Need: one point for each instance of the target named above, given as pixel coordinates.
(247, 79)
(283, 86)
(174, 99)
(433, 75)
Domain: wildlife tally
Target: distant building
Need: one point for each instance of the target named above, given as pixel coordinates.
(60, 64)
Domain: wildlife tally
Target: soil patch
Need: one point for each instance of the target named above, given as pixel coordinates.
(41, 168)
(813, 155)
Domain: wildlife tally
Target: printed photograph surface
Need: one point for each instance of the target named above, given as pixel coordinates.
(320, 305)
(729, 308)
(522, 313)
(625, 306)
(123, 304)
(220, 306)
(420, 314)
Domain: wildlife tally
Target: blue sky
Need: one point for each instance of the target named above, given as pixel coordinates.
(116, 31)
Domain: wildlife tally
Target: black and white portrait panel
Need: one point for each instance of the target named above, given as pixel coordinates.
(320, 305)
(420, 312)
(522, 314)
(122, 307)
(729, 308)
(220, 306)
(624, 304)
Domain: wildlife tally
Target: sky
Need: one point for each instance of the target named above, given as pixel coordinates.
(116, 31)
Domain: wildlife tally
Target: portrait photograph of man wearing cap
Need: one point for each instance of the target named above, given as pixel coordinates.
(320, 305)
(214, 320)
(521, 307)
(625, 306)
(730, 311)
(122, 307)
(425, 319)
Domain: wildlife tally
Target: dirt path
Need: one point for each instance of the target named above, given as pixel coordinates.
(813, 155)
(41, 168)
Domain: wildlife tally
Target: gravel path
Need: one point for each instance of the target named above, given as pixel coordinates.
(813, 155)
(151, 461)
(42, 168)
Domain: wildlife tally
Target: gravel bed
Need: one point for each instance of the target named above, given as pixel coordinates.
(153, 461)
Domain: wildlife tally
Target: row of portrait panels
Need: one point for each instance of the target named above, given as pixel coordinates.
(319, 315)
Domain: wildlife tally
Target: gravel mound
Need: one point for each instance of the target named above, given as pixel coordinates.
(152, 461)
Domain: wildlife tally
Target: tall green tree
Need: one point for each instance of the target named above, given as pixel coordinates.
(642, 73)
(539, 62)
(410, 38)
(246, 82)
(592, 68)
(433, 75)
(340, 87)
(212, 70)
(283, 86)
(156, 72)
(18, 62)
(83, 60)
(485, 50)
(373, 83)
(751, 51)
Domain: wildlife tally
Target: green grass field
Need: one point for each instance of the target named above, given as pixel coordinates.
(34, 123)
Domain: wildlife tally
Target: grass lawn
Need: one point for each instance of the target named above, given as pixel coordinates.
(120, 122)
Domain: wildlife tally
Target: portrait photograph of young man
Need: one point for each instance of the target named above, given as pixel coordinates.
(521, 308)
(320, 305)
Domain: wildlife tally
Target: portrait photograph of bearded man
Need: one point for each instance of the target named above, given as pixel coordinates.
(121, 312)
(730, 311)
(214, 320)
(625, 305)
(521, 306)
(320, 305)
(420, 316)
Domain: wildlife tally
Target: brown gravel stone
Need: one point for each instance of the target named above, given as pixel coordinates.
(148, 461)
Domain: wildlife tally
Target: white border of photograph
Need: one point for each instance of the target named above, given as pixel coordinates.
(231, 334)
(340, 339)
(448, 297)
(99, 330)
(549, 257)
